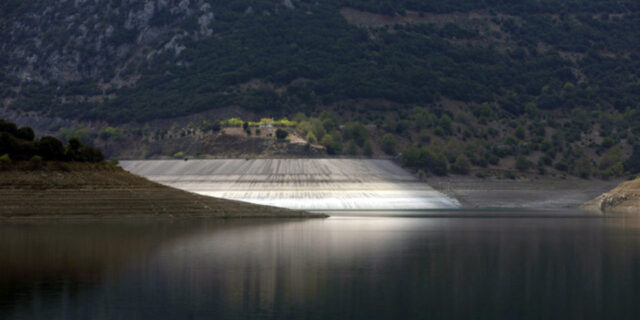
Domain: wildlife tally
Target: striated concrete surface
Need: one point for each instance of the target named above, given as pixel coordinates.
(306, 184)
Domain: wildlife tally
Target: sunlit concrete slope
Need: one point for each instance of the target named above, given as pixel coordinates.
(308, 184)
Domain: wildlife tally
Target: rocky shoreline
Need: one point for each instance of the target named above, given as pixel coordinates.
(625, 198)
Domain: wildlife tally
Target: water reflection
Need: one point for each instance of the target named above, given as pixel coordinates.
(527, 268)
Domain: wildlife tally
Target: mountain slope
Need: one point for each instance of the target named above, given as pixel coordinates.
(129, 60)
(537, 86)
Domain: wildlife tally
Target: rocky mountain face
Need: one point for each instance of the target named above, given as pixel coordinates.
(75, 40)
(122, 60)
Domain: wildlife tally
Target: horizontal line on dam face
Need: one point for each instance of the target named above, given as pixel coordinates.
(309, 184)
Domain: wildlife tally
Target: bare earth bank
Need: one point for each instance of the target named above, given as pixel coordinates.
(114, 194)
(526, 193)
(624, 198)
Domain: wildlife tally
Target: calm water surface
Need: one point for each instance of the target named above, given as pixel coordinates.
(491, 267)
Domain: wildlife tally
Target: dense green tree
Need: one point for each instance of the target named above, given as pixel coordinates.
(439, 165)
(332, 144)
(355, 131)
(51, 149)
(91, 154)
(25, 133)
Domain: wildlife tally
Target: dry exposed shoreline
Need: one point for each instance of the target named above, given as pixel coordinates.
(537, 192)
(89, 194)
(114, 194)
(625, 198)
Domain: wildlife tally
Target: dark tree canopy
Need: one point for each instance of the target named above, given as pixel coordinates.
(19, 144)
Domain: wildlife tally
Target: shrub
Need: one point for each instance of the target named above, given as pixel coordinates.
(424, 136)
(492, 158)
(311, 138)
(35, 163)
(313, 125)
(562, 165)
(445, 124)
(5, 162)
(523, 164)
(91, 154)
(355, 131)
(411, 157)
(439, 165)
(111, 133)
(367, 150)
(351, 148)
(542, 170)
(179, 155)
(284, 122)
(608, 143)
(281, 134)
(462, 165)
(332, 144)
(389, 144)
(8, 127)
(583, 167)
(520, 133)
(75, 144)
(632, 164)
(509, 175)
(611, 158)
(233, 122)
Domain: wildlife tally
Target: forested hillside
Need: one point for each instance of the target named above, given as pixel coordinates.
(522, 76)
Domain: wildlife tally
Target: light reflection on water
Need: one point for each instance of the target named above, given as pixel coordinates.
(346, 267)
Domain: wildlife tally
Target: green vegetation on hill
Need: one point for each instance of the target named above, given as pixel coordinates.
(558, 55)
(453, 86)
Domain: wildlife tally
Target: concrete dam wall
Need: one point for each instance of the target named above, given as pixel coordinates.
(308, 184)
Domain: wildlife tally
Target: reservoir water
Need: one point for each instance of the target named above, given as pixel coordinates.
(451, 265)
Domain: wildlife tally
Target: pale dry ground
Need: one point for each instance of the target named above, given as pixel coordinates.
(113, 193)
(624, 198)
(306, 184)
(528, 193)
